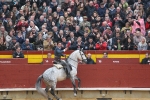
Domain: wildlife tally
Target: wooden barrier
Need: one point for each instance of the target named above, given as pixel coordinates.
(117, 61)
(92, 76)
(86, 52)
(48, 60)
(37, 56)
(14, 61)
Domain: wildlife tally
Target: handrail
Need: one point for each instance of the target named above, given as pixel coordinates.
(87, 51)
(64, 89)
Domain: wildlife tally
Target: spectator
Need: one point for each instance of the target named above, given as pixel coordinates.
(40, 22)
(2, 44)
(95, 3)
(90, 9)
(21, 23)
(112, 11)
(59, 11)
(147, 24)
(84, 23)
(105, 55)
(118, 45)
(31, 36)
(44, 31)
(72, 38)
(9, 36)
(137, 38)
(148, 40)
(53, 4)
(27, 45)
(89, 59)
(129, 45)
(73, 8)
(39, 42)
(12, 45)
(48, 44)
(34, 7)
(27, 4)
(18, 53)
(5, 9)
(19, 37)
(21, 13)
(78, 17)
(7, 22)
(3, 33)
(107, 31)
(78, 44)
(44, 7)
(64, 42)
(65, 5)
(90, 44)
(89, 21)
(78, 32)
(49, 55)
(142, 45)
(101, 10)
(31, 26)
(101, 44)
(146, 60)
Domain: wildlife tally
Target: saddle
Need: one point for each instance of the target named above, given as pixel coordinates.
(58, 66)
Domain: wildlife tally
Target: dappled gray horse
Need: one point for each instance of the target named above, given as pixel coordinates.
(52, 75)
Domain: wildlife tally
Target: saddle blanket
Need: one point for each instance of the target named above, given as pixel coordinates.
(58, 66)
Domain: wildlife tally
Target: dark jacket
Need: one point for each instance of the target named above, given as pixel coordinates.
(129, 46)
(101, 11)
(90, 61)
(145, 61)
(58, 52)
(15, 54)
(25, 46)
(88, 47)
(90, 10)
(2, 47)
(75, 46)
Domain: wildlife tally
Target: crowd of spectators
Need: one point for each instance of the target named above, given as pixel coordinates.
(88, 24)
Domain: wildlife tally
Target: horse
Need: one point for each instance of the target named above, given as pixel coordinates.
(52, 75)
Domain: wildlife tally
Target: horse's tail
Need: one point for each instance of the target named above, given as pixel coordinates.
(38, 86)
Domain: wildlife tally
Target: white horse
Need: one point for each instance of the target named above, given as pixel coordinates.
(52, 75)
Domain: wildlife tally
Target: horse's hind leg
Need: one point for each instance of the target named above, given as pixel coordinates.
(53, 93)
(47, 89)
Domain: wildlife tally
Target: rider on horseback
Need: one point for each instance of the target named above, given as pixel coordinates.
(58, 53)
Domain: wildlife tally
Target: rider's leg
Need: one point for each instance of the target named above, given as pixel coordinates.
(67, 68)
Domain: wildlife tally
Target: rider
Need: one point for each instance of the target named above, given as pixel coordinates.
(58, 53)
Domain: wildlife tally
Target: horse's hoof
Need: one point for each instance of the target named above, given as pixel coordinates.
(59, 99)
(75, 94)
(50, 99)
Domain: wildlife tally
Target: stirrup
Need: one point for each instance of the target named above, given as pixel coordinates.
(68, 76)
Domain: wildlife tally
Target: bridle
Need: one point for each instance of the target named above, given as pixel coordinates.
(80, 55)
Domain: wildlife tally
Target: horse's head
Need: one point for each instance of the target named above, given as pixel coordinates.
(82, 56)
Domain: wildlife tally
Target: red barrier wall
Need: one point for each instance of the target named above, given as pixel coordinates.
(25, 76)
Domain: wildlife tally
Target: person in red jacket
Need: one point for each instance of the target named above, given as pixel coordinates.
(101, 44)
(147, 24)
(21, 23)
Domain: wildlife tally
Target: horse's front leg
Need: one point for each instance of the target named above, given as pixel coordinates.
(74, 86)
(79, 81)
